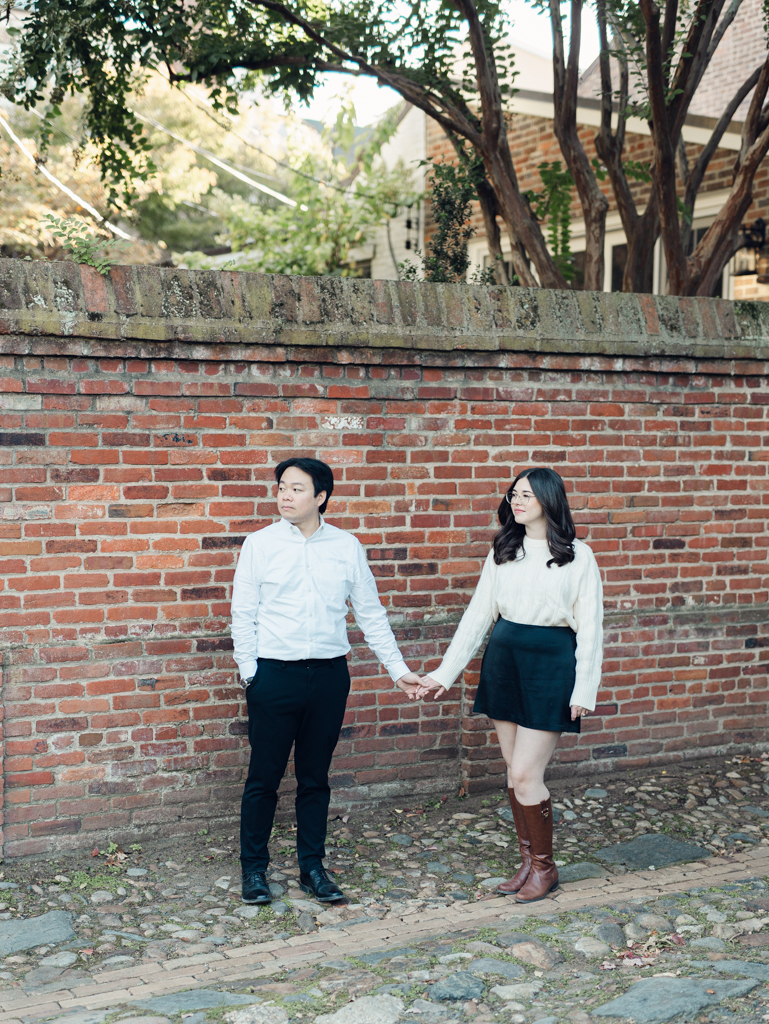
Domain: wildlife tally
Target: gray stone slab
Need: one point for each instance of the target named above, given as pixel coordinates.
(63, 959)
(488, 965)
(655, 1000)
(384, 954)
(651, 850)
(513, 938)
(758, 811)
(194, 999)
(457, 987)
(265, 1014)
(540, 1020)
(611, 933)
(401, 839)
(595, 794)
(709, 942)
(41, 976)
(576, 872)
(746, 967)
(82, 1017)
(740, 837)
(45, 930)
(381, 1009)
(465, 879)
(393, 990)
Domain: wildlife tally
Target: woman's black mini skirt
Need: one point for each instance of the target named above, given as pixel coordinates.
(527, 676)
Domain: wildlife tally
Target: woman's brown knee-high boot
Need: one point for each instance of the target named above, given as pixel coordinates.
(516, 882)
(543, 876)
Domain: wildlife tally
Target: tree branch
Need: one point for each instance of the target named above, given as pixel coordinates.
(697, 174)
(692, 62)
(608, 145)
(721, 28)
(594, 203)
(717, 245)
(751, 126)
(669, 27)
(452, 119)
(664, 153)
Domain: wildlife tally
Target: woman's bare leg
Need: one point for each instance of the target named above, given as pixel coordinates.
(506, 735)
(527, 753)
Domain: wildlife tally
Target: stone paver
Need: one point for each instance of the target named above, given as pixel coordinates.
(655, 1000)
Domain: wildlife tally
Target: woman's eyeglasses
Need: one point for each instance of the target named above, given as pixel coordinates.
(524, 498)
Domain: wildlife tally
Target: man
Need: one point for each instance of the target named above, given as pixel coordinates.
(289, 606)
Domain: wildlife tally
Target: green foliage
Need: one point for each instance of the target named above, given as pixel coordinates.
(636, 170)
(452, 191)
(553, 204)
(88, 248)
(105, 49)
(87, 882)
(341, 191)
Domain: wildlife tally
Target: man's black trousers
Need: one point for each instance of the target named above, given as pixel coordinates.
(301, 703)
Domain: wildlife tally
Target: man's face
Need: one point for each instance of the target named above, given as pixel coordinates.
(297, 501)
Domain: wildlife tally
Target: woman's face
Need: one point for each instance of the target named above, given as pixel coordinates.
(523, 502)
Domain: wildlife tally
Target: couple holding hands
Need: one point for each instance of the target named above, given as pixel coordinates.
(540, 589)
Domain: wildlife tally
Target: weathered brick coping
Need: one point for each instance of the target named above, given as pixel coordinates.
(262, 959)
(226, 308)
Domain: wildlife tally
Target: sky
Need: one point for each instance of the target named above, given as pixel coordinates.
(531, 30)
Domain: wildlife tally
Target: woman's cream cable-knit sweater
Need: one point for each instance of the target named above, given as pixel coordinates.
(527, 591)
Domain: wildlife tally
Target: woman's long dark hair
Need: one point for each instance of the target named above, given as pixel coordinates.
(551, 494)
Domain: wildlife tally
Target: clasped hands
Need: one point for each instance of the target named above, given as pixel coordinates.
(417, 687)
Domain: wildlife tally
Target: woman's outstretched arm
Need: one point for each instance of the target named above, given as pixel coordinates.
(473, 627)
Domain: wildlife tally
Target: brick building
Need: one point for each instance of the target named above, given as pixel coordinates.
(141, 417)
(532, 141)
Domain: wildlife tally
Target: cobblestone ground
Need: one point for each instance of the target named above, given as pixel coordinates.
(179, 901)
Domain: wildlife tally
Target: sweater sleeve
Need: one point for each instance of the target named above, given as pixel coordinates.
(588, 614)
(473, 627)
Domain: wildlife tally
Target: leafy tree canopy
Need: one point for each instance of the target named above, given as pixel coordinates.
(340, 191)
(451, 59)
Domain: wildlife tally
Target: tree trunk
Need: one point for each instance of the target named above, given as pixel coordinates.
(639, 269)
(489, 209)
(521, 225)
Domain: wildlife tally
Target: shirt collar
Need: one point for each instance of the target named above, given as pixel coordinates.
(294, 531)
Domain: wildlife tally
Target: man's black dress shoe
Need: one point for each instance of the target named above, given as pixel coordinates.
(320, 886)
(255, 887)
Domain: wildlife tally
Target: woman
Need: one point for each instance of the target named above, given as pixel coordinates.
(540, 673)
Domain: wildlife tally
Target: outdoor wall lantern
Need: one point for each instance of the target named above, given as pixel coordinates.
(753, 239)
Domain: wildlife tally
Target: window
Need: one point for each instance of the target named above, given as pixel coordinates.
(618, 263)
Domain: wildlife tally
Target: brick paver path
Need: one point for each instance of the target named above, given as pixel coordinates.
(244, 963)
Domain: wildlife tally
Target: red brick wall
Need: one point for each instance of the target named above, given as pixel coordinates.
(129, 480)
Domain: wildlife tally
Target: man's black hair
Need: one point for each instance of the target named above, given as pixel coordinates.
(322, 477)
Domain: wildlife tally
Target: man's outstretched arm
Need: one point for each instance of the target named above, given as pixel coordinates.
(372, 619)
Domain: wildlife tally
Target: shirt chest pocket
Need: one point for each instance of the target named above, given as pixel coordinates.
(330, 578)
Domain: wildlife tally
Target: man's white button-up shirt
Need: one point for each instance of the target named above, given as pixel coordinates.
(289, 598)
